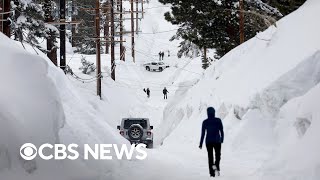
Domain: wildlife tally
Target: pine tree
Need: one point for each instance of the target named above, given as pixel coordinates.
(215, 24)
(285, 6)
(28, 23)
(86, 29)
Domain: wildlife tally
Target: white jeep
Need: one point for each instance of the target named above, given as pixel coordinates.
(137, 130)
(155, 66)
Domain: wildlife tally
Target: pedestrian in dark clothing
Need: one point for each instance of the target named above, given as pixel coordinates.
(168, 53)
(148, 92)
(165, 93)
(162, 55)
(213, 129)
(144, 90)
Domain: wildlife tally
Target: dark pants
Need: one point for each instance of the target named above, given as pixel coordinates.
(165, 96)
(217, 150)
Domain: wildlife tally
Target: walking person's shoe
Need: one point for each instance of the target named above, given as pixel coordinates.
(213, 174)
(215, 169)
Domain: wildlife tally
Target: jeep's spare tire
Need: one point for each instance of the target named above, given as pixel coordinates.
(135, 132)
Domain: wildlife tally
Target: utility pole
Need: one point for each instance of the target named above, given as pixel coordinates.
(137, 16)
(122, 53)
(241, 22)
(132, 32)
(62, 35)
(142, 9)
(113, 65)
(106, 26)
(98, 56)
(51, 49)
(6, 24)
(73, 17)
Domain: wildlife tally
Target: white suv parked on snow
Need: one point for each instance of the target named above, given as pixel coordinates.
(155, 66)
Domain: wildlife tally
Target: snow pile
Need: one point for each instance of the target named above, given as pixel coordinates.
(271, 84)
(39, 105)
(297, 129)
(31, 109)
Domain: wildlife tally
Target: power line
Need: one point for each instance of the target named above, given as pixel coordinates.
(159, 32)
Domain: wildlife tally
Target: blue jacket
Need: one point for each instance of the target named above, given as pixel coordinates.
(214, 128)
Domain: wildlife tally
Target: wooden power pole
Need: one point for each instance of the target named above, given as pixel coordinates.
(113, 65)
(122, 52)
(62, 35)
(98, 55)
(73, 17)
(132, 31)
(137, 16)
(241, 27)
(142, 9)
(106, 26)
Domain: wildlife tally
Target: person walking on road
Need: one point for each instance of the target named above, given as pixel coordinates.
(148, 92)
(165, 93)
(162, 55)
(213, 129)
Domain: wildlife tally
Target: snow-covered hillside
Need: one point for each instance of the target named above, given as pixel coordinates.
(266, 91)
(39, 105)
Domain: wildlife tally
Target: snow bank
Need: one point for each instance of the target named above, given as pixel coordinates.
(31, 109)
(297, 129)
(266, 92)
(253, 66)
(39, 105)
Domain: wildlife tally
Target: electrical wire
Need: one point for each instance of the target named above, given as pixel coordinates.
(159, 32)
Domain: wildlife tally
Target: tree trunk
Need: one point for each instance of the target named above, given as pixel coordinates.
(51, 48)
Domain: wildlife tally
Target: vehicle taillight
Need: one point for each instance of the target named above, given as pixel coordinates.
(149, 133)
(122, 133)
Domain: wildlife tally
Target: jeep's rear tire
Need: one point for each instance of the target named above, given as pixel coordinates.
(160, 69)
(150, 145)
(148, 68)
(135, 132)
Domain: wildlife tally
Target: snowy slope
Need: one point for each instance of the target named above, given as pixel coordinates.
(255, 82)
(270, 54)
(271, 83)
(39, 105)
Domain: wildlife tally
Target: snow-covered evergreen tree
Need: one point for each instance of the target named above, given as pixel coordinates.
(86, 29)
(28, 22)
(214, 24)
(285, 6)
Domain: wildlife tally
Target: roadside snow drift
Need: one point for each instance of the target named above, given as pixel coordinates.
(266, 91)
(38, 105)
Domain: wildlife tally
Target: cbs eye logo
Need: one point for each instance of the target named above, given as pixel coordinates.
(28, 151)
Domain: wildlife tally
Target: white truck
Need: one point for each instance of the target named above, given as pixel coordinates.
(155, 66)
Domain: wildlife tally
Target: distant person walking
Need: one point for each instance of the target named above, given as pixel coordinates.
(162, 54)
(148, 92)
(168, 53)
(165, 93)
(213, 129)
